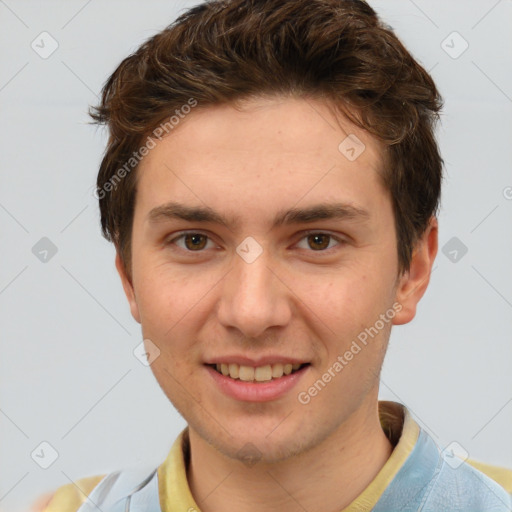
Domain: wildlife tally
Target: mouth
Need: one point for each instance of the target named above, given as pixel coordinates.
(266, 373)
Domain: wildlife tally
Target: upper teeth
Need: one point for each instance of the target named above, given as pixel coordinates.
(259, 374)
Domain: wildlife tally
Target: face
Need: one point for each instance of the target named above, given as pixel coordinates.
(258, 245)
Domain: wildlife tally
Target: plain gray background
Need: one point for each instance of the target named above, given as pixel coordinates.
(69, 376)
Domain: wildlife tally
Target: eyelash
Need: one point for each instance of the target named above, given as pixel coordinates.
(304, 235)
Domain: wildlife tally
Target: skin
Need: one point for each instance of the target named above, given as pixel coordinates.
(295, 299)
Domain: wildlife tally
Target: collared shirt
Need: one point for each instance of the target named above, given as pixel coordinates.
(416, 476)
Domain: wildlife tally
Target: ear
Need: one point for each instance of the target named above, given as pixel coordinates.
(128, 288)
(413, 283)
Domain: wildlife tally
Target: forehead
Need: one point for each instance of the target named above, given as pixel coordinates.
(281, 150)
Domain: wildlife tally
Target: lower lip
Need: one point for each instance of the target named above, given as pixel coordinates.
(256, 391)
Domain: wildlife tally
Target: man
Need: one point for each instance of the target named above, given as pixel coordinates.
(271, 185)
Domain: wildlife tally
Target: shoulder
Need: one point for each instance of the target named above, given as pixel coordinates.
(104, 491)
(67, 498)
(432, 479)
(501, 475)
(463, 487)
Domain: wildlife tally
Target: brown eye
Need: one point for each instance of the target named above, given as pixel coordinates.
(195, 241)
(319, 241)
(188, 242)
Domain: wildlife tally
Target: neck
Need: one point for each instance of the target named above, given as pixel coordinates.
(338, 470)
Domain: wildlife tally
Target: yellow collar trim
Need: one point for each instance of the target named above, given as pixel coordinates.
(173, 490)
(391, 414)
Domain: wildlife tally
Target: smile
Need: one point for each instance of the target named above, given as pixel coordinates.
(256, 374)
(256, 383)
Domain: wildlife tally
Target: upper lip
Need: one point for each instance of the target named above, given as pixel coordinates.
(260, 361)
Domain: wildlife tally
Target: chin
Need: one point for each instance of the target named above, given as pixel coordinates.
(261, 451)
(251, 444)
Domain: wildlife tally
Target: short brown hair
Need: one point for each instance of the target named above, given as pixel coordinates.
(223, 51)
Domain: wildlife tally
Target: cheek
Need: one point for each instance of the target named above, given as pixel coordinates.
(342, 295)
(350, 304)
(173, 306)
(164, 303)
(166, 294)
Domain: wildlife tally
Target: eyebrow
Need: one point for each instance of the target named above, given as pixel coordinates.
(322, 211)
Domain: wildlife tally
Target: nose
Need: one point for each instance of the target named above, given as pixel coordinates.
(254, 298)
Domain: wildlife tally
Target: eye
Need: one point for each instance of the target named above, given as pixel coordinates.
(319, 241)
(193, 241)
